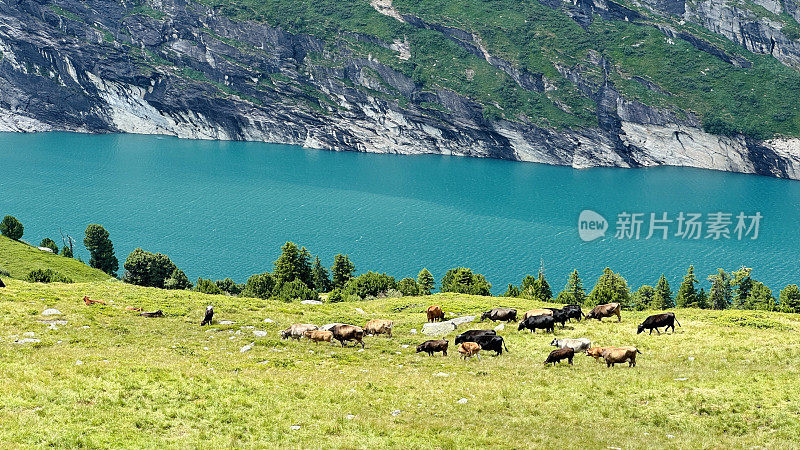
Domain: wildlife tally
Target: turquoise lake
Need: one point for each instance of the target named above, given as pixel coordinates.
(224, 209)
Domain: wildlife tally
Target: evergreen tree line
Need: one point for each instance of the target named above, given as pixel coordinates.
(298, 275)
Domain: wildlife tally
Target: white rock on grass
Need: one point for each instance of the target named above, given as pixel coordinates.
(246, 348)
(438, 328)
(500, 327)
(462, 320)
(311, 302)
(226, 322)
(268, 320)
(441, 374)
(259, 333)
(27, 341)
(349, 417)
(360, 311)
(413, 331)
(29, 334)
(462, 401)
(51, 312)
(295, 427)
(396, 412)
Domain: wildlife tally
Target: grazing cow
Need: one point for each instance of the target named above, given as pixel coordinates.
(491, 343)
(499, 314)
(158, 313)
(209, 316)
(296, 331)
(435, 313)
(89, 301)
(560, 316)
(471, 335)
(133, 308)
(573, 312)
(607, 310)
(579, 345)
(318, 336)
(379, 326)
(544, 322)
(558, 354)
(617, 355)
(469, 349)
(655, 321)
(596, 352)
(537, 312)
(433, 346)
(344, 333)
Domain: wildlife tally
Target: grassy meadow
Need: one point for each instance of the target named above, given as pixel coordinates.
(19, 259)
(109, 378)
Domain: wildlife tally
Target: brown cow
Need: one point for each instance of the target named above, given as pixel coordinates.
(89, 301)
(469, 349)
(537, 312)
(433, 346)
(318, 336)
(379, 326)
(596, 352)
(558, 354)
(615, 355)
(344, 333)
(435, 313)
(607, 310)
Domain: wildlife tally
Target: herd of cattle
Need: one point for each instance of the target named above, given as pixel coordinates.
(472, 342)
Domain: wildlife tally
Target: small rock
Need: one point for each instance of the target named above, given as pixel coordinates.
(360, 311)
(360, 350)
(462, 401)
(441, 374)
(396, 412)
(413, 331)
(311, 302)
(259, 333)
(27, 341)
(51, 312)
(205, 348)
(79, 363)
(29, 334)
(500, 327)
(349, 417)
(681, 379)
(226, 322)
(295, 427)
(404, 346)
(438, 328)
(462, 320)
(246, 348)
(85, 327)
(268, 320)
(248, 327)
(691, 358)
(669, 436)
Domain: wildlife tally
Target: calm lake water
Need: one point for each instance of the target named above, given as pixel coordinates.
(224, 208)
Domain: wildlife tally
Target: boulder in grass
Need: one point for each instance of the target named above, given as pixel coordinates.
(311, 302)
(51, 312)
(438, 328)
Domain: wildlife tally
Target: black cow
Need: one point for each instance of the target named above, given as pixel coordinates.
(573, 312)
(1, 284)
(158, 313)
(433, 346)
(557, 355)
(493, 343)
(560, 316)
(209, 316)
(469, 336)
(544, 322)
(655, 321)
(507, 314)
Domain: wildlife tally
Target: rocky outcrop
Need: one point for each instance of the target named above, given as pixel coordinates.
(191, 72)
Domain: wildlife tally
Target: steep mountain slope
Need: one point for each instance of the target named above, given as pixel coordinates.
(703, 84)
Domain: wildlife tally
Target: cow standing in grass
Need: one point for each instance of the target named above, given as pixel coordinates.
(379, 326)
(500, 314)
(655, 321)
(435, 313)
(607, 310)
(209, 316)
(469, 350)
(433, 346)
(617, 355)
(343, 333)
(559, 354)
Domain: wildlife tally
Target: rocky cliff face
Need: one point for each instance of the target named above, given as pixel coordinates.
(180, 68)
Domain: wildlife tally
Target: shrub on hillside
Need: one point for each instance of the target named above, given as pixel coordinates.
(178, 280)
(66, 251)
(144, 268)
(294, 290)
(229, 286)
(46, 276)
(49, 243)
(259, 286)
(11, 228)
(408, 287)
(369, 284)
(462, 281)
(207, 287)
(4, 272)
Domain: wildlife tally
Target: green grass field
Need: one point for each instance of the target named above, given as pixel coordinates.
(109, 378)
(19, 259)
